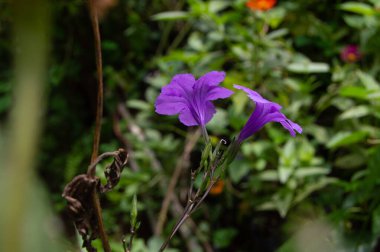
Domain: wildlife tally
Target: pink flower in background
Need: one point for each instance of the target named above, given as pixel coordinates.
(350, 54)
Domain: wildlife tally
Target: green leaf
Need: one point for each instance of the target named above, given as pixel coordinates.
(350, 161)
(376, 222)
(275, 16)
(278, 33)
(308, 67)
(283, 201)
(218, 5)
(375, 2)
(154, 245)
(346, 138)
(139, 104)
(269, 175)
(5, 103)
(284, 173)
(312, 187)
(355, 112)
(219, 122)
(222, 238)
(310, 171)
(238, 169)
(354, 91)
(170, 15)
(358, 8)
(368, 81)
(354, 21)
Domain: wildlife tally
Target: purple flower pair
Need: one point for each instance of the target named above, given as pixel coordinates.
(191, 99)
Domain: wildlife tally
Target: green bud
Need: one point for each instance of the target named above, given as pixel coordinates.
(206, 152)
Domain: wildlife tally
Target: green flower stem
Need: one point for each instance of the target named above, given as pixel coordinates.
(31, 45)
(208, 180)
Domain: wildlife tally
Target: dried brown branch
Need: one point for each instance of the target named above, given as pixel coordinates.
(79, 193)
(99, 69)
(99, 112)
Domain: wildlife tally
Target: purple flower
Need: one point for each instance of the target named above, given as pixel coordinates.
(350, 54)
(265, 111)
(191, 98)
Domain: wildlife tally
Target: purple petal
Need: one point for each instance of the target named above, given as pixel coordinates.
(212, 78)
(187, 118)
(291, 127)
(218, 93)
(265, 111)
(209, 112)
(254, 96)
(170, 105)
(191, 98)
(183, 81)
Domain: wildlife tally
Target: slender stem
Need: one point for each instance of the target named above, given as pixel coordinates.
(91, 168)
(191, 140)
(193, 202)
(98, 125)
(185, 215)
(131, 239)
(31, 22)
(128, 248)
(205, 134)
(99, 70)
(98, 213)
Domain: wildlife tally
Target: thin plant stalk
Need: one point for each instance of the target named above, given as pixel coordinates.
(31, 45)
(194, 201)
(98, 125)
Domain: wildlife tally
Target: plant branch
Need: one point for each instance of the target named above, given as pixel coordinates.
(181, 164)
(99, 70)
(176, 207)
(209, 179)
(98, 125)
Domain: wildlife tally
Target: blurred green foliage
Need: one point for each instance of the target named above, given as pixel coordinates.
(290, 54)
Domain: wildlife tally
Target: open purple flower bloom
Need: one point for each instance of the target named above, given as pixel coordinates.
(265, 111)
(191, 98)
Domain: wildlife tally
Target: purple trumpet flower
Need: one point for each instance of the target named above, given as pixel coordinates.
(191, 98)
(265, 111)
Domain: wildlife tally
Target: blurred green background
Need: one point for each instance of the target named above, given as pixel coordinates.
(318, 59)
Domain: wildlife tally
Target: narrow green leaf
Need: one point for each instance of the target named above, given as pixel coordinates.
(238, 169)
(355, 112)
(218, 5)
(354, 91)
(368, 81)
(346, 138)
(358, 8)
(170, 15)
(223, 237)
(310, 171)
(308, 67)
